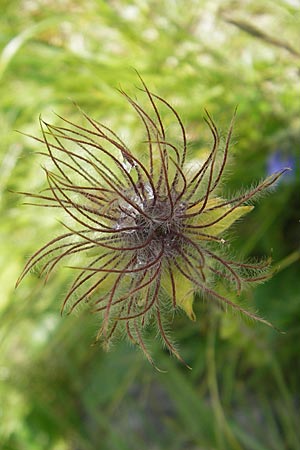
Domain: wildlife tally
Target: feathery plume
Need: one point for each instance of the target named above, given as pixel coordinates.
(151, 232)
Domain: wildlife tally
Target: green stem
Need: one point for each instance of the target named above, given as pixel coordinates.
(287, 261)
(222, 428)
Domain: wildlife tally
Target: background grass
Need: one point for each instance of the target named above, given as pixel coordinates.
(57, 391)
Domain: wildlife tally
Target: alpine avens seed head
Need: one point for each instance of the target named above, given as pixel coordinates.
(150, 231)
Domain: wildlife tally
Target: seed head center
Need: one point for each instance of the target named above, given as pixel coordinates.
(155, 222)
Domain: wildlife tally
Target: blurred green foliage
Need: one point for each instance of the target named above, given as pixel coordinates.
(58, 392)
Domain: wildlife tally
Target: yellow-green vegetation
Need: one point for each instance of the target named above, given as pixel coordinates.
(58, 391)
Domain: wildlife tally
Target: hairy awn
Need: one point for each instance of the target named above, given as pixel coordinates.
(152, 231)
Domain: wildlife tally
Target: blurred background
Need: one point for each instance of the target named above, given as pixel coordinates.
(58, 391)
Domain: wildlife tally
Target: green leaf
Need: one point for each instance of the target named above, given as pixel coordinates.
(215, 219)
(184, 291)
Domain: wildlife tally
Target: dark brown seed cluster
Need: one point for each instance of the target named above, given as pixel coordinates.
(148, 231)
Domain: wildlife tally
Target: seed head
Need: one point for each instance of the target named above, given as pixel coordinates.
(150, 231)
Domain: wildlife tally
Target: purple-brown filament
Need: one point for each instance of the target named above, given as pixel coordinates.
(138, 216)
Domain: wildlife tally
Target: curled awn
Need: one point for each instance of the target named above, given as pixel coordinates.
(150, 231)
